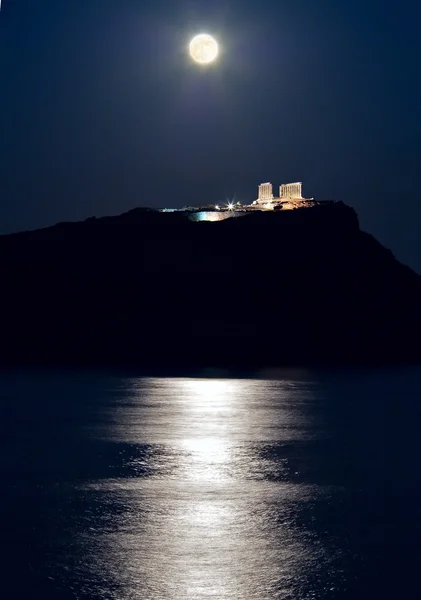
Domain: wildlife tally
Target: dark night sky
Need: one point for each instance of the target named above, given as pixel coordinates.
(101, 110)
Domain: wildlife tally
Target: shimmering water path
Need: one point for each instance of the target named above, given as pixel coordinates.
(295, 485)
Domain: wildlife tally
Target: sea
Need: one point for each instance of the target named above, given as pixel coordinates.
(286, 484)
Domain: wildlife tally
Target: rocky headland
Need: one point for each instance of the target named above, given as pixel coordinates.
(154, 290)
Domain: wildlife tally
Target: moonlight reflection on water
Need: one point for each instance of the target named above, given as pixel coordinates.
(206, 511)
(293, 485)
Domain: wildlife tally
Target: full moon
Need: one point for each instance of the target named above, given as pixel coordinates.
(204, 48)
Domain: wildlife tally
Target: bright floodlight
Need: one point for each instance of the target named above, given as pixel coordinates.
(230, 206)
(204, 48)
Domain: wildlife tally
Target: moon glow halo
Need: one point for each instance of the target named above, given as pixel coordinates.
(204, 49)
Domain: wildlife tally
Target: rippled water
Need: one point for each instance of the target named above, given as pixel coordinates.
(301, 485)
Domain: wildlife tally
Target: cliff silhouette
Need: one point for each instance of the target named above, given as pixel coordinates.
(154, 290)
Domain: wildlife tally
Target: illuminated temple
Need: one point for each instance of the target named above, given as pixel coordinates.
(290, 198)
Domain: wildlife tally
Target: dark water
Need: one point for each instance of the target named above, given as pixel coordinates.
(296, 485)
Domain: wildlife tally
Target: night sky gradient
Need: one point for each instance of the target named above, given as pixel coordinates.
(101, 109)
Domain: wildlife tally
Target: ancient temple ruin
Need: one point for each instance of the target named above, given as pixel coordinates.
(289, 193)
(290, 198)
(265, 192)
(291, 190)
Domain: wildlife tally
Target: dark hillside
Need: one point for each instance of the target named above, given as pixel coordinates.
(151, 289)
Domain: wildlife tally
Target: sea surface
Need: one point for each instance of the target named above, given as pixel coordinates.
(285, 485)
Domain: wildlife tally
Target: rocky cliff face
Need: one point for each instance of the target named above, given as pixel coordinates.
(149, 290)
